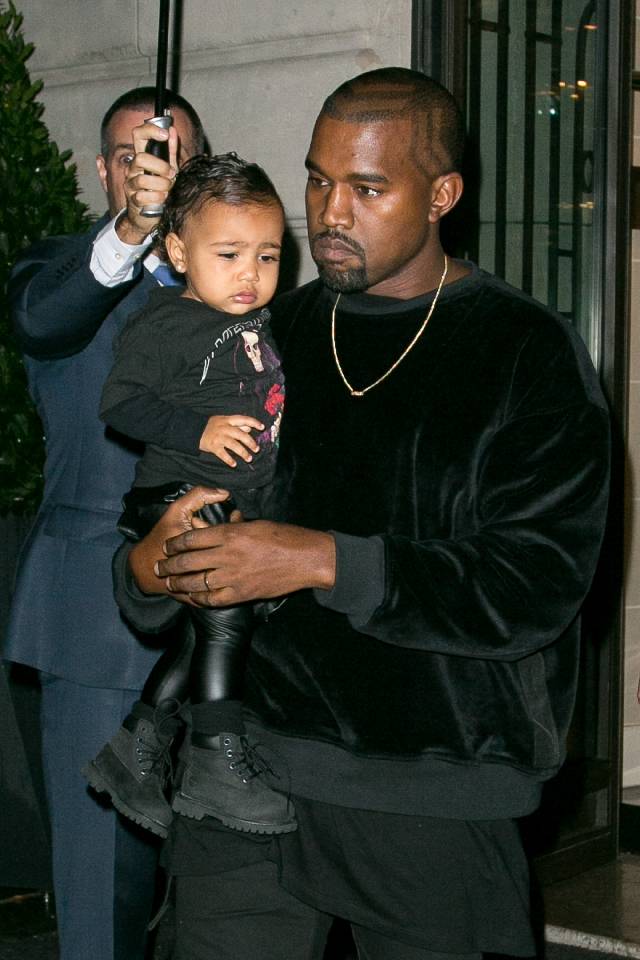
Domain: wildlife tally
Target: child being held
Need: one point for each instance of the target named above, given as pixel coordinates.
(194, 353)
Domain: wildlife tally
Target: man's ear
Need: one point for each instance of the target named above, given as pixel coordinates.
(176, 252)
(446, 190)
(101, 165)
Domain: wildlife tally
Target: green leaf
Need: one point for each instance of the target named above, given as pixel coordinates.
(40, 198)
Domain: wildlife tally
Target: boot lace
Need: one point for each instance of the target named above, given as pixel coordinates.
(153, 759)
(248, 762)
(154, 755)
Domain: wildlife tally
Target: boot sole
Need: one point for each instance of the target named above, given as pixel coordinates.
(189, 807)
(98, 782)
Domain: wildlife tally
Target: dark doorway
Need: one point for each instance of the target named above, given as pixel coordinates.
(546, 90)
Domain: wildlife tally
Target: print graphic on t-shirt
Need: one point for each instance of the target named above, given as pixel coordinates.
(230, 332)
(243, 347)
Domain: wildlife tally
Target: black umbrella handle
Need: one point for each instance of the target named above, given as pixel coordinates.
(158, 148)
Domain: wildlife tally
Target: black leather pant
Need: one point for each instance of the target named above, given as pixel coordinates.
(208, 664)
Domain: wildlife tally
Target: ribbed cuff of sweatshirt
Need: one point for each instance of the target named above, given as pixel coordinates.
(150, 613)
(360, 578)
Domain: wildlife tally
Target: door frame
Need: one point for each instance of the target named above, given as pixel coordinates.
(438, 48)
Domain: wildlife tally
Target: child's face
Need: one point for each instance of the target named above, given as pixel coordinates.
(230, 255)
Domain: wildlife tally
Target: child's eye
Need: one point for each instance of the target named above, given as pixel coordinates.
(228, 256)
(268, 258)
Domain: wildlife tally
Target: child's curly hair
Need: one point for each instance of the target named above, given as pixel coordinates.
(225, 178)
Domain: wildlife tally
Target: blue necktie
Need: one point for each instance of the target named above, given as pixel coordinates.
(166, 276)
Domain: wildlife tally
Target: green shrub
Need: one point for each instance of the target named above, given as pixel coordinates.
(39, 199)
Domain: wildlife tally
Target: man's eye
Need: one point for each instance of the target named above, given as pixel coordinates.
(317, 182)
(126, 158)
(368, 192)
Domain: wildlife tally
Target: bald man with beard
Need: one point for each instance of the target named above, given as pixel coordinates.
(443, 481)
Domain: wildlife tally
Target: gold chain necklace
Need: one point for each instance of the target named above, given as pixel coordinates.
(361, 393)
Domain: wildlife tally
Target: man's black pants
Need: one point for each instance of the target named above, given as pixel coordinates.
(244, 914)
(412, 888)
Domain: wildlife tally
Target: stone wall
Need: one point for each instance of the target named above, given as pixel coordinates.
(256, 72)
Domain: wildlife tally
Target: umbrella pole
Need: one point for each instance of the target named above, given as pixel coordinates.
(162, 118)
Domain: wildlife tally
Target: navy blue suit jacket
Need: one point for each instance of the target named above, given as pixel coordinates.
(64, 619)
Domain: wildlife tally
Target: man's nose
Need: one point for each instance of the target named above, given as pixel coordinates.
(337, 210)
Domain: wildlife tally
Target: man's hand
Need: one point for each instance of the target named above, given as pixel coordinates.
(149, 180)
(224, 436)
(232, 563)
(179, 516)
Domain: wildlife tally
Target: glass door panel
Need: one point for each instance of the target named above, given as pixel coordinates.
(542, 86)
(531, 113)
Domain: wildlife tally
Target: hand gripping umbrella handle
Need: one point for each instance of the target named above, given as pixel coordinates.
(159, 148)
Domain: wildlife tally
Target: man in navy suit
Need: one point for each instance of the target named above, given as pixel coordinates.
(70, 296)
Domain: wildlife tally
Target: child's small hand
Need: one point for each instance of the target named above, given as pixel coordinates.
(224, 436)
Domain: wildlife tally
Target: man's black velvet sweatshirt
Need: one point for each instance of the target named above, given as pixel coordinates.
(467, 494)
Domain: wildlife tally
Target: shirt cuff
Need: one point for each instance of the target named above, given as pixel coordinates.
(112, 261)
(149, 613)
(360, 578)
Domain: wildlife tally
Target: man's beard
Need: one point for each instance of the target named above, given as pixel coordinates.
(343, 281)
(351, 280)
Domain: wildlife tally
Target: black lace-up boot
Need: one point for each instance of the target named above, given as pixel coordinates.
(225, 780)
(134, 767)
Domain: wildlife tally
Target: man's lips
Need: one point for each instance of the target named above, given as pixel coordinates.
(326, 248)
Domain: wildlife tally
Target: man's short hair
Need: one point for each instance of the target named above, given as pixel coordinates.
(392, 93)
(143, 98)
(225, 178)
